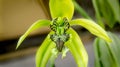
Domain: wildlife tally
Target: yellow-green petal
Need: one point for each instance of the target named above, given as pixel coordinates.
(34, 26)
(61, 8)
(92, 27)
(77, 49)
(44, 52)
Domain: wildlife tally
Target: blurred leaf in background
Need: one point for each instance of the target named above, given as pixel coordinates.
(107, 54)
(108, 11)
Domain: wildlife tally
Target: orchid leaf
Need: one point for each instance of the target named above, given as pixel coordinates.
(105, 58)
(77, 49)
(80, 10)
(97, 12)
(44, 52)
(108, 10)
(57, 8)
(96, 52)
(92, 27)
(115, 47)
(107, 54)
(115, 7)
(36, 25)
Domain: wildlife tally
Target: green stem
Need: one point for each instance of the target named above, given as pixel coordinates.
(53, 57)
(80, 10)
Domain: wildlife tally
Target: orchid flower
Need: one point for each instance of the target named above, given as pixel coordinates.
(62, 38)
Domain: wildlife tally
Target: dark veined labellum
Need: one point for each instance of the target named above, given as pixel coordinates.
(60, 22)
(59, 26)
(59, 44)
(60, 40)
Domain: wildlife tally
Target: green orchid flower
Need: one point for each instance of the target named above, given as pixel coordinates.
(62, 38)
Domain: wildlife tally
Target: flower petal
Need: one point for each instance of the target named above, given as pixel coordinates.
(61, 8)
(92, 27)
(34, 26)
(77, 49)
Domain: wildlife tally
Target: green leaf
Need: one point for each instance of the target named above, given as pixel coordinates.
(34, 26)
(44, 52)
(107, 11)
(107, 54)
(77, 49)
(80, 10)
(61, 8)
(115, 47)
(97, 53)
(105, 57)
(114, 4)
(92, 27)
(97, 12)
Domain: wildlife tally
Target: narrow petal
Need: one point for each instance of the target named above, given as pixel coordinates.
(34, 26)
(44, 52)
(77, 49)
(92, 27)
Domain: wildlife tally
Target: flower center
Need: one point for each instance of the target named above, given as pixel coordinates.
(59, 26)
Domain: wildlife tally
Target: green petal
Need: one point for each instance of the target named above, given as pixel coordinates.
(92, 27)
(77, 49)
(61, 8)
(36, 25)
(44, 52)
